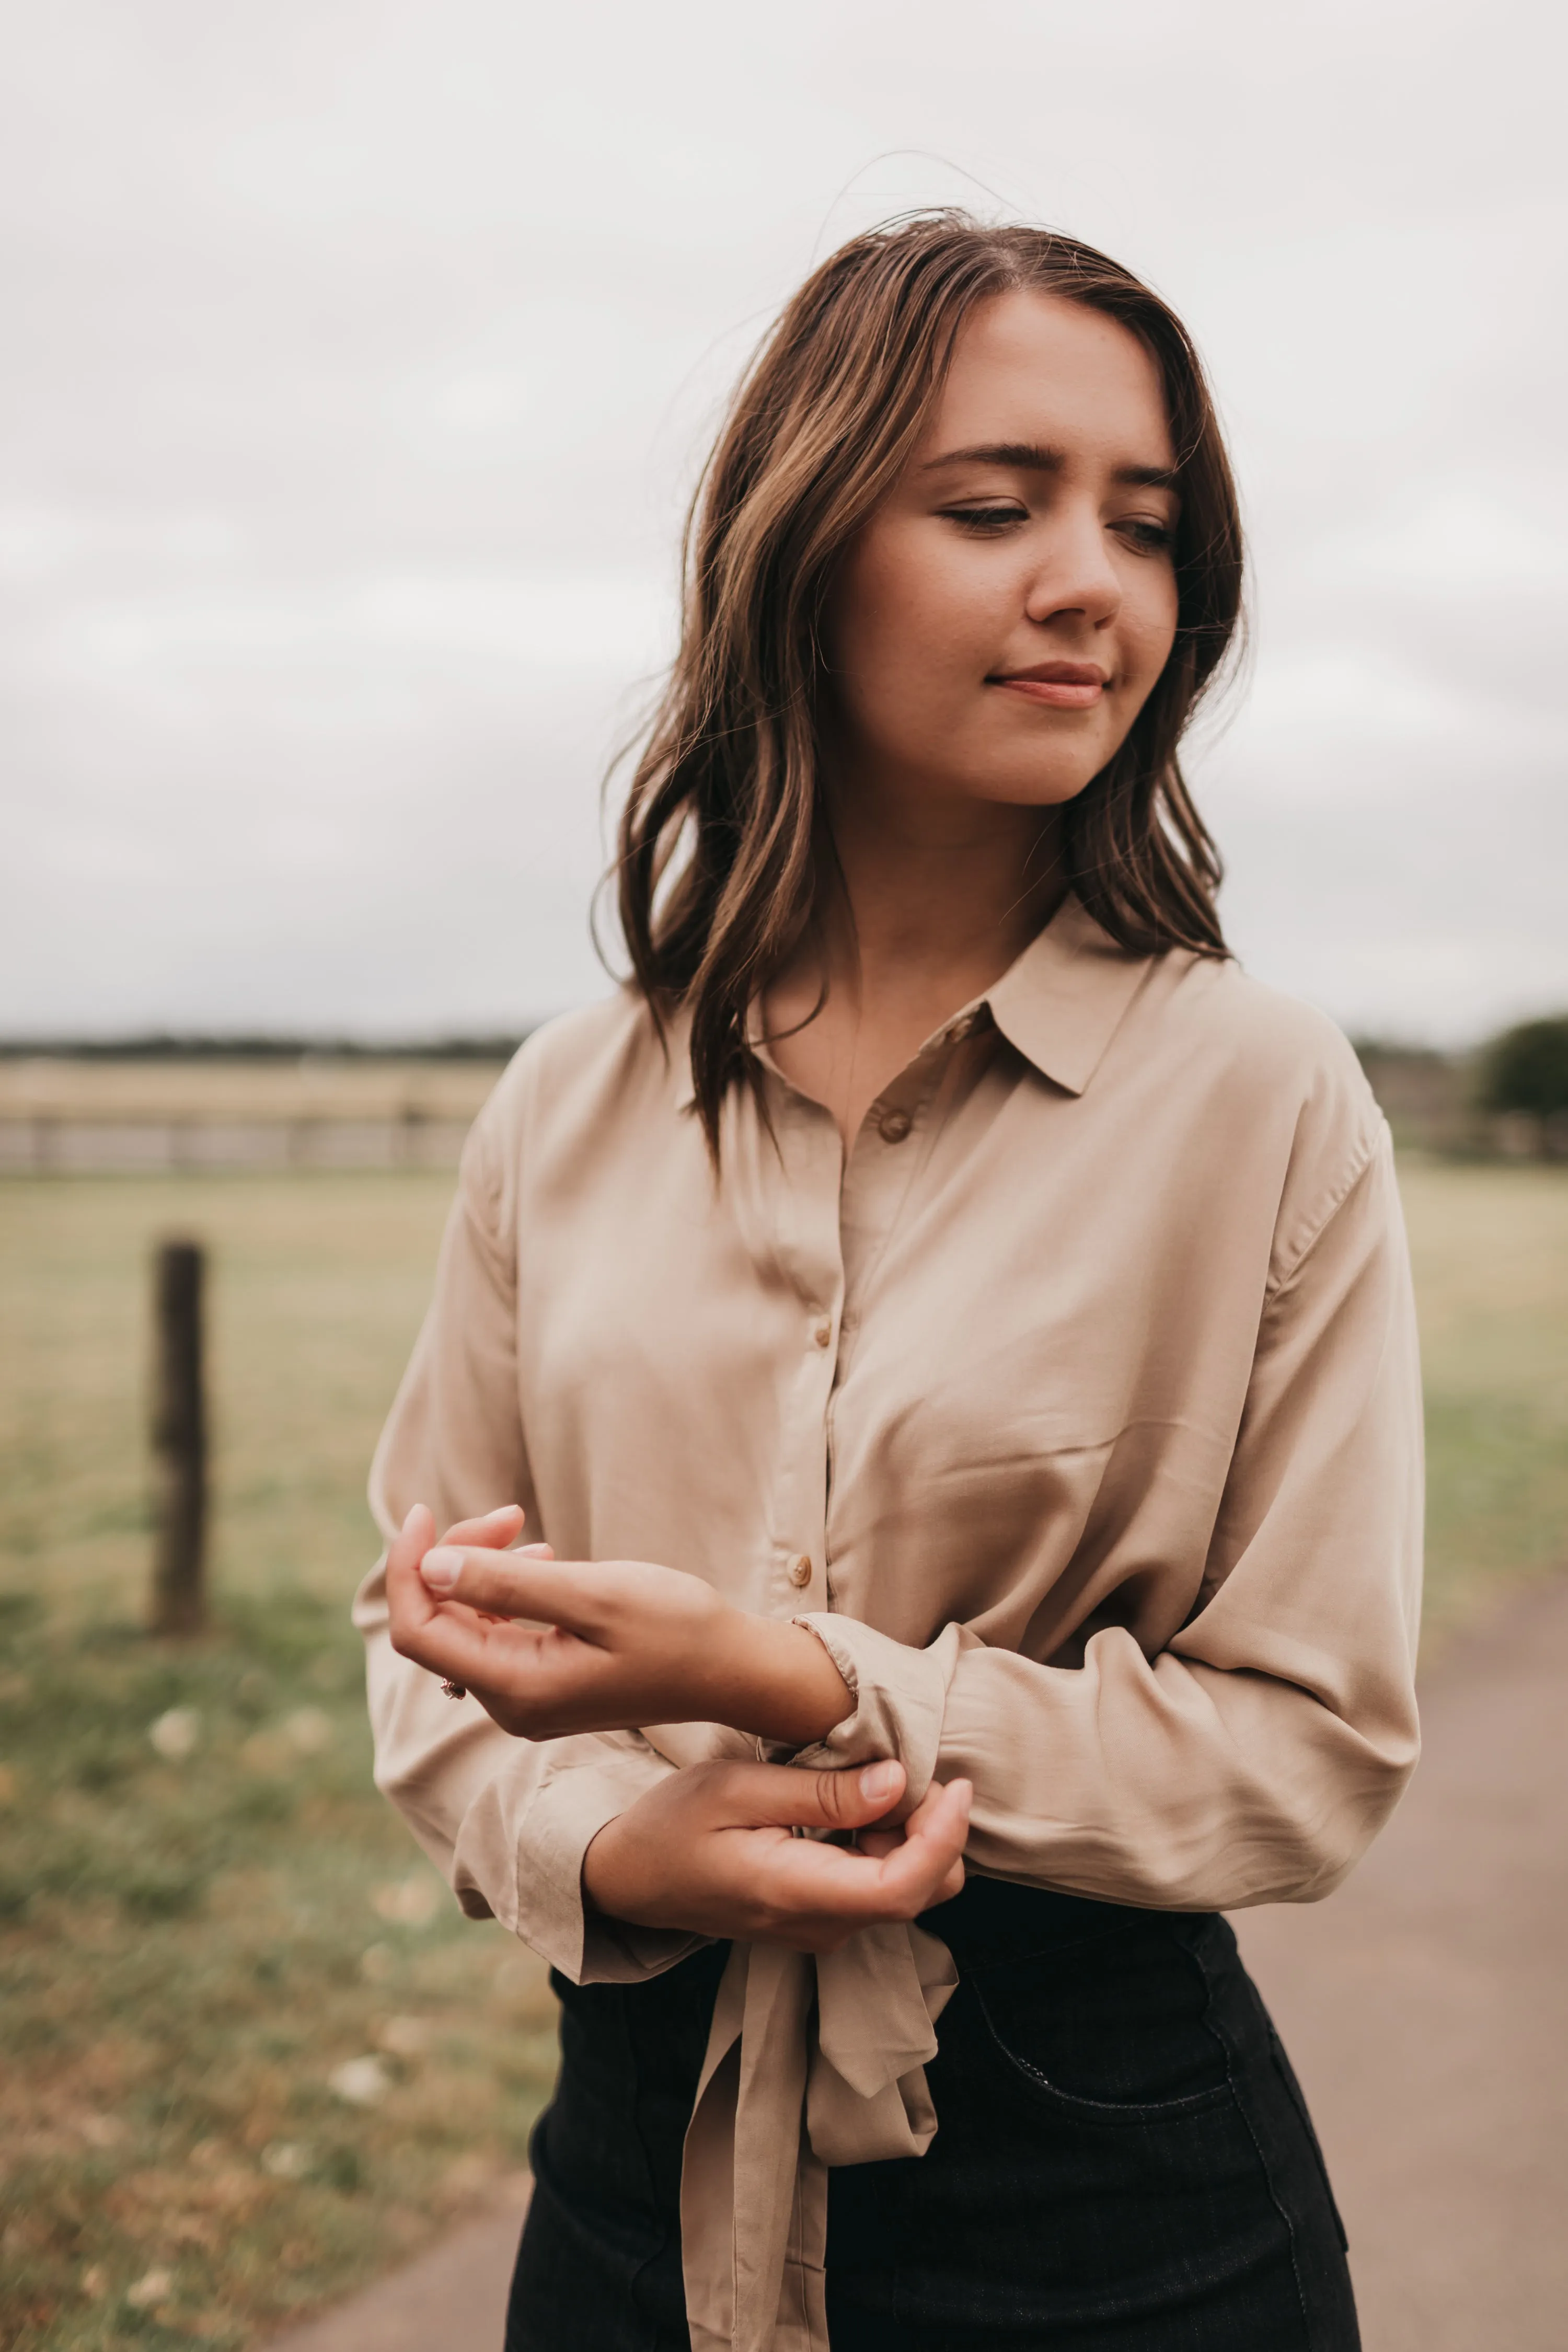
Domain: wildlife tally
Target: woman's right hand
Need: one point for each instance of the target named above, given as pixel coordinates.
(711, 1850)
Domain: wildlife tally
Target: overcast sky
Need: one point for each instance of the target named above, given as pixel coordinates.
(360, 355)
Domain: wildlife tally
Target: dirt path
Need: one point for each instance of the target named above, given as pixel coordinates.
(1426, 2006)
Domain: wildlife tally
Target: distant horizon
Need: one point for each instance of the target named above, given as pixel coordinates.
(263, 1044)
(481, 1044)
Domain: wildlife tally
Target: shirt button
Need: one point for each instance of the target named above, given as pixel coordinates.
(800, 1571)
(894, 1125)
(823, 1333)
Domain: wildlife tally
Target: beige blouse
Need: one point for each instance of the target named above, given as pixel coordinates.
(1077, 1411)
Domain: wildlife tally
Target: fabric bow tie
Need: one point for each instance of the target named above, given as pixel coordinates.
(791, 2084)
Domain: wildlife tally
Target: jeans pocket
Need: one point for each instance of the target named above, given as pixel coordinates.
(1085, 2106)
(1121, 2028)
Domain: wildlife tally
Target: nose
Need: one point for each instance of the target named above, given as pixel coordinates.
(1076, 578)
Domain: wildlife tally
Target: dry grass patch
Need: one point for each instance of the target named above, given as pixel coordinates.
(249, 2051)
(1490, 1245)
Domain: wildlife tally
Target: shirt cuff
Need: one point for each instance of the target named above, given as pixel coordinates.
(546, 1849)
(901, 1700)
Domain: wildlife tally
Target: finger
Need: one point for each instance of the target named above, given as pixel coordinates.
(408, 1602)
(921, 1870)
(523, 1551)
(942, 1817)
(918, 1871)
(930, 1860)
(414, 1611)
(448, 1642)
(413, 1539)
(495, 1530)
(492, 1659)
(786, 1797)
(942, 1800)
(878, 1843)
(530, 1583)
(814, 1894)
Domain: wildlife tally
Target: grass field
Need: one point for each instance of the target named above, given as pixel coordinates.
(1490, 1245)
(248, 2050)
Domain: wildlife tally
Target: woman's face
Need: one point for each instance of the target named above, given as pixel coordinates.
(997, 624)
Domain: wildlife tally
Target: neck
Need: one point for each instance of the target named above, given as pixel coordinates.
(923, 905)
(932, 901)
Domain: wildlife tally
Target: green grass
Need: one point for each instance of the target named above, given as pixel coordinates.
(192, 1947)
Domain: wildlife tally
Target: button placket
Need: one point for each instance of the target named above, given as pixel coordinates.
(826, 1191)
(876, 1185)
(806, 1204)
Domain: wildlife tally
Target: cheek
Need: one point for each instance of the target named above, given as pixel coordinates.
(902, 617)
(1148, 626)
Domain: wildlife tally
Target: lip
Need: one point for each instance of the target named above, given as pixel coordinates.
(1059, 685)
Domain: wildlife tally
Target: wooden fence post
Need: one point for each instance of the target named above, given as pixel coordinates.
(179, 1442)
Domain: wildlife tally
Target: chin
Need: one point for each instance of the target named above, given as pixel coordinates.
(1043, 774)
(1033, 790)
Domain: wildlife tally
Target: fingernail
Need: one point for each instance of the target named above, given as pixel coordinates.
(408, 1522)
(879, 1781)
(441, 1568)
(533, 1551)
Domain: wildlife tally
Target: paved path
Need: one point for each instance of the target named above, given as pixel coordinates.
(1426, 2006)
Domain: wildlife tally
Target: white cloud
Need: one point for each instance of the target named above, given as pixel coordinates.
(1457, 539)
(360, 363)
(530, 622)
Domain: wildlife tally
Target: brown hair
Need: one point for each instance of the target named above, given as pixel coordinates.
(716, 851)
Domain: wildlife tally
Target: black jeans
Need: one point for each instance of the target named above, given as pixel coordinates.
(1123, 2161)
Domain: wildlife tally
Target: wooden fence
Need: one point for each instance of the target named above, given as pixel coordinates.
(60, 1116)
(69, 1118)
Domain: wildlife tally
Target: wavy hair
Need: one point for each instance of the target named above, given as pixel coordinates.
(717, 866)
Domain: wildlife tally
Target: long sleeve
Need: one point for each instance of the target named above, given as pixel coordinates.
(506, 1821)
(1255, 1752)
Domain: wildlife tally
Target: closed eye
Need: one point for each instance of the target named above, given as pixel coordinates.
(988, 519)
(1148, 536)
(1153, 538)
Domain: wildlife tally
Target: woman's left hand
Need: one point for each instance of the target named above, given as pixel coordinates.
(612, 1645)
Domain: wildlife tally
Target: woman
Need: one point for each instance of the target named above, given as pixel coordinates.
(954, 1330)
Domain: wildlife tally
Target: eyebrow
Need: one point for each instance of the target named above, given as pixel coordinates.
(1033, 456)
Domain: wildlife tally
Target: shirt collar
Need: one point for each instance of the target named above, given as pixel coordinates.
(1064, 998)
(1061, 1002)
